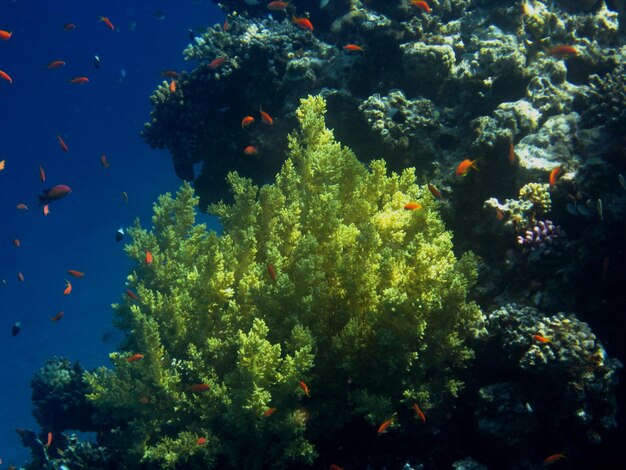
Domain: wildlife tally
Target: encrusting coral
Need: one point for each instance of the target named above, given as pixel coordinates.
(324, 305)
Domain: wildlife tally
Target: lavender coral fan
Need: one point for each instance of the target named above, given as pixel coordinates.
(541, 237)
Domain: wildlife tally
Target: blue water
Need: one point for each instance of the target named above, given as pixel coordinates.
(103, 116)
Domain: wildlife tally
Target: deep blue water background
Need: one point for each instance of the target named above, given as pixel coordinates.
(103, 116)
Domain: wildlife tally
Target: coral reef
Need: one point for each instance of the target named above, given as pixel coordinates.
(579, 379)
(59, 397)
(541, 237)
(323, 309)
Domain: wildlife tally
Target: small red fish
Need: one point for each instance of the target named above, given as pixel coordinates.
(22, 207)
(411, 206)
(499, 214)
(353, 48)
(332, 466)
(5, 35)
(2, 164)
(170, 74)
(58, 316)
(20, 277)
(55, 64)
(5, 76)
(103, 161)
(226, 25)
(68, 288)
(144, 400)
(54, 194)
(172, 86)
(199, 388)
(46, 209)
(277, 5)
(42, 174)
(62, 144)
(272, 272)
(201, 441)
(266, 118)
(554, 175)
(49, 441)
(465, 166)
(512, 158)
(76, 274)
(78, 80)
(563, 51)
(246, 121)
(541, 339)
(131, 294)
(553, 458)
(304, 388)
(16, 242)
(419, 413)
(302, 23)
(107, 22)
(149, 258)
(421, 4)
(269, 412)
(384, 426)
(435, 192)
(217, 62)
(69, 26)
(134, 358)
(250, 150)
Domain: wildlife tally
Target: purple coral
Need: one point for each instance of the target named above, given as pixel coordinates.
(540, 237)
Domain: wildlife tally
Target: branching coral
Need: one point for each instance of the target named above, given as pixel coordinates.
(322, 277)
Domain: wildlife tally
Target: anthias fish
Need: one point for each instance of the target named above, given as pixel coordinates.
(54, 194)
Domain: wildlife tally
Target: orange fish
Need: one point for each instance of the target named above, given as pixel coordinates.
(149, 258)
(58, 316)
(22, 207)
(69, 26)
(272, 272)
(277, 5)
(107, 22)
(49, 441)
(226, 25)
(68, 288)
(173, 86)
(553, 458)
(16, 242)
(20, 277)
(384, 425)
(217, 62)
(103, 161)
(563, 51)
(411, 206)
(269, 412)
(76, 274)
(332, 466)
(304, 388)
(554, 175)
(419, 413)
(62, 143)
(201, 441)
(170, 74)
(465, 166)
(5, 35)
(5, 76)
(42, 174)
(541, 339)
(2, 164)
(250, 150)
(55, 64)
(46, 209)
(144, 400)
(245, 122)
(353, 48)
(131, 294)
(421, 4)
(134, 357)
(435, 192)
(302, 23)
(199, 388)
(266, 118)
(512, 158)
(79, 80)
